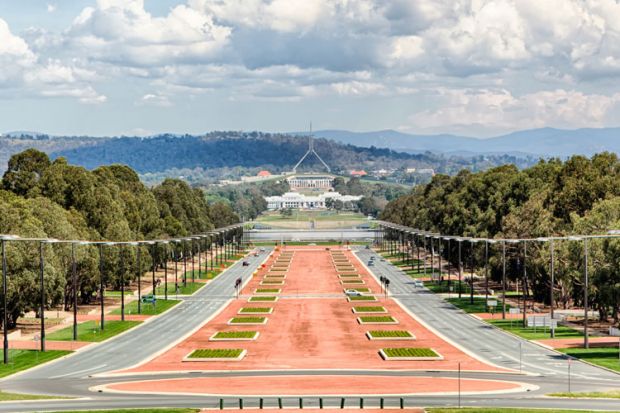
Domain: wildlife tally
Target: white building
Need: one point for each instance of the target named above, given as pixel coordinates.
(296, 200)
(310, 181)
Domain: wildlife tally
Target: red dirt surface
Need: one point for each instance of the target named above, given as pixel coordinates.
(312, 327)
(317, 385)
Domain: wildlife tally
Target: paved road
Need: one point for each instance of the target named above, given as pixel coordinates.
(73, 376)
(475, 336)
(151, 337)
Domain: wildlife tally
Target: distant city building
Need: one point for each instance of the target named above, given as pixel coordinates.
(310, 181)
(296, 200)
(427, 171)
(263, 174)
(410, 170)
(359, 173)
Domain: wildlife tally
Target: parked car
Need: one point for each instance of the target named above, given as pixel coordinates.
(353, 293)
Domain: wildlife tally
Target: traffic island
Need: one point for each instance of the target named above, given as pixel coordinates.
(409, 354)
(345, 276)
(234, 336)
(216, 354)
(247, 321)
(363, 298)
(386, 319)
(368, 309)
(390, 335)
(255, 310)
(269, 299)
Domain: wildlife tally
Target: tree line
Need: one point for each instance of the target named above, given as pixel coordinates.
(552, 198)
(41, 198)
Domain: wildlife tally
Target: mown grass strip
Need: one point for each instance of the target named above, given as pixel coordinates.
(246, 320)
(158, 307)
(255, 310)
(369, 309)
(267, 290)
(377, 319)
(264, 299)
(218, 353)
(235, 334)
(363, 298)
(410, 352)
(390, 334)
(91, 331)
(20, 360)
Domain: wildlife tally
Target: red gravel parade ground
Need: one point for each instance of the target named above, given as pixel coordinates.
(312, 326)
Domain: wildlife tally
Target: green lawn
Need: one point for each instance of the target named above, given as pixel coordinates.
(258, 298)
(241, 320)
(516, 327)
(216, 353)
(409, 352)
(605, 357)
(479, 305)
(5, 397)
(614, 394)
(188, 289)
(90, 331)
(377, 319)
(390, 333)
(165, 410)
(24, 359)
(117, 293)
(255, 310)
(369, 309)
(235, 334)
(147, 308)
(363, 298)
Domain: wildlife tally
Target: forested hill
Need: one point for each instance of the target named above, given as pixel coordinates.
(218, 150)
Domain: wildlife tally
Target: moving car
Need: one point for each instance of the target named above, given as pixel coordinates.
(353, 293)
(418, 283)
(246, 264)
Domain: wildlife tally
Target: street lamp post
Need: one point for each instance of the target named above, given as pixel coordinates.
(122, 271)
(449, 257)
(42, 286)
(74, 284)
(139, 269)
(165, 269)
(586, 340)
(471, 280)
(184, 263)
(5, 317)
(503, 280)
(153, 250)
(486, 272)
(460, 268)
(525, 283)
(199, 257)
(193, 260)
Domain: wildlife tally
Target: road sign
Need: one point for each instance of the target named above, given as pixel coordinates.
(492, 303)
(514, 311)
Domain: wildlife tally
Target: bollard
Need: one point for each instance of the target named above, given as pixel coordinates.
(240, 404)
(279, 402)
(402, 403)
(320, 402)
(221, 404)
(301, 403)
(361, 402)
(342, 403)
(381, 403)
(260, 403)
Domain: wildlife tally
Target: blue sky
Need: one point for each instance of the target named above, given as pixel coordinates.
(473, 67)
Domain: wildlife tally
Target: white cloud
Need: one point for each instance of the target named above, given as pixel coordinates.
(498, 110)
(155, 99)
(51, 8)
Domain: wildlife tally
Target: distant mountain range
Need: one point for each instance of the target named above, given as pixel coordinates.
(540, 142)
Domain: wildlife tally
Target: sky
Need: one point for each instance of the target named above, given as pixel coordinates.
(468, 67)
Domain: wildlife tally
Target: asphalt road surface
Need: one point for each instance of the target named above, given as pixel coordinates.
(73, 376)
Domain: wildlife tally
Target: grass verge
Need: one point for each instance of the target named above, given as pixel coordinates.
(147, 308)
(20, 360)
(377, 319)
(234, 334)
(244, 320)
(189, 288)
(410, 352)
(390, 334)
(614, 394)
(91, 331)
(363, 298)
(605, 357)
(479, 305)
(255, 310)
(528, 333)
(369, 309)
(264, 299)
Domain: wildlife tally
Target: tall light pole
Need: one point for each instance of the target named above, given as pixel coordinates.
(586, 340)
(460, 241)
(471, 279)
(486, 272)
(5, 316)
(503, 280)
(42, 286)
(184, 262)
(139, 270)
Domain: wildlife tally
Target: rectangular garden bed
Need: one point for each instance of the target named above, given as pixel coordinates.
(272, 282)
(247, 321)
(358, 282)
(349, 275)
(390, 335)
(377, 319)
(267, 291)
(269, 299)
(377, 309)
(234, 336)
(409, 353)
(255, 310)
(216, 354)
(274, 277)
(367, 298)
